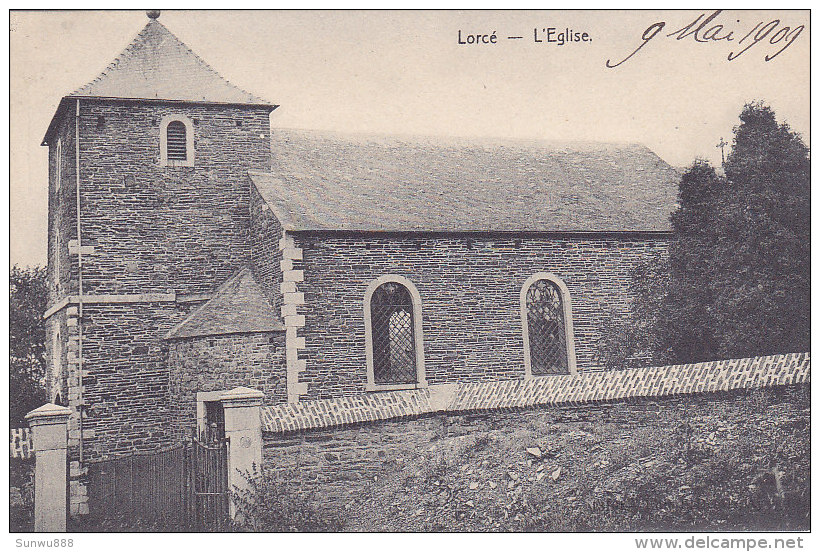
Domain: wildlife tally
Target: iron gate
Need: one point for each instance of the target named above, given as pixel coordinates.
(209, 483)
(184, 488)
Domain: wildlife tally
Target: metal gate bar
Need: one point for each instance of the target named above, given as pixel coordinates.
(184, 488)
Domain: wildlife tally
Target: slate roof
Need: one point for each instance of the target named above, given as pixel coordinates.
(158, 66)
(323, 181)
(238, 306)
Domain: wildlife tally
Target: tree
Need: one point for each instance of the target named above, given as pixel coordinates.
(739, 259)
(761, 257)
(688, 323)
(738, 279)
(671, 316)
(28, 295)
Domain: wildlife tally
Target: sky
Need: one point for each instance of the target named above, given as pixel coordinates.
(407, 73)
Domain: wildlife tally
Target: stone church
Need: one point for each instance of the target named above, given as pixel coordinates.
(194, 248)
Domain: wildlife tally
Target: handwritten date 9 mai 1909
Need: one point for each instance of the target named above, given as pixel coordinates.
(711, 29)
(773, 36)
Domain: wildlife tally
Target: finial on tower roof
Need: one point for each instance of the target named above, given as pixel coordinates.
(152, 14)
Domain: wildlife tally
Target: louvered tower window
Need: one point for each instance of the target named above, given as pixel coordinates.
(177, 141)
(392, 324)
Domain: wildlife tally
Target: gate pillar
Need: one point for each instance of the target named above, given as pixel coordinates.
(243, 426)
(49, 425)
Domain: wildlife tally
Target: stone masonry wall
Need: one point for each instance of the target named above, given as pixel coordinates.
(122, 391)
(153, 229)
(220, 363)
(266, 257)
(159, 229)
(705, 377)
(340, 446)
(62, 209)
(341, 464)
(126, 377)
(470, 291)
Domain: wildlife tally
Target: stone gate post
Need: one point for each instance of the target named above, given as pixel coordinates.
(49, 428)
(243, 425)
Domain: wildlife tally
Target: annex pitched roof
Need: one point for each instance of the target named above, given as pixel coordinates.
(238, 306)
(323, 181)
(158, 66)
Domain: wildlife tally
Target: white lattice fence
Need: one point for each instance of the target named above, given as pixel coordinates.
(20, 443)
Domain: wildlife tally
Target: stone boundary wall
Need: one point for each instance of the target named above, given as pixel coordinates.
(706, 377)
(20, 443)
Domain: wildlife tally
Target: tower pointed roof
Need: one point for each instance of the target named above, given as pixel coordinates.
(159, 66)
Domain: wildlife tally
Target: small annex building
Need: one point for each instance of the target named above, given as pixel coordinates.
(193, 248)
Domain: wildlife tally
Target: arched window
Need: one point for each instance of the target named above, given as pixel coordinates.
(55, 380)
(176, 141)
(546, 317)
(56, 258)
(395, 351)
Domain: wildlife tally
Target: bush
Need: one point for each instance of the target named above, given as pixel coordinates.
(636, 339)
(21, 495)
(276, 502)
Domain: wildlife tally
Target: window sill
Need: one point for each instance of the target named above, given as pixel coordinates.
(395, 386)
(528, 377)
(176, 163)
